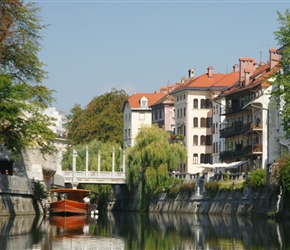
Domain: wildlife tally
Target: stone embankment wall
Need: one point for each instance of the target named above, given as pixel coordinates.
(16, 197)
(261, 202)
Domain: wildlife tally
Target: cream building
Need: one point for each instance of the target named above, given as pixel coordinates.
(194, 115)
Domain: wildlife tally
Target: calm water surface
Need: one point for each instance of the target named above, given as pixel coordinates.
(143, 231)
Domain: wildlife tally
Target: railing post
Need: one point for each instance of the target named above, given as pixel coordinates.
(74, 167)
(124, 160)
(113, 161)
(99, 161)
(87, 160)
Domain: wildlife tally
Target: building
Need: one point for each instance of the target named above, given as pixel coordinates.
(194, 114)
(252, 118)
(137, 113)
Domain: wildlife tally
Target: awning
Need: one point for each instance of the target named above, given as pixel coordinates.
(237, 164)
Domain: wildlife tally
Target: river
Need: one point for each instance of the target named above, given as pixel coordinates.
(123, 230)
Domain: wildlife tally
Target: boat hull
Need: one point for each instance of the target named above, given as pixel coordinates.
(68, 207)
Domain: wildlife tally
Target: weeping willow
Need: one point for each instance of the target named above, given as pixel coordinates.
(151, 159)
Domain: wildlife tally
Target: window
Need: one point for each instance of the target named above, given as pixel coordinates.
(195, 140)
(142, 116)
(195, 103)
(207, 103)
(195, 122)
(202, 122)
(155, 115)
(177, 113)
(126, 118)
(208, 140)
(208, 122)
(202, 104)
(184, 111)
(202, 158)
(207, 158)
(177, 98)
(144, 101)
(160, 114)
(195, 158)
(129, 133)
(129, 117)
(125, 133)
(202, 140)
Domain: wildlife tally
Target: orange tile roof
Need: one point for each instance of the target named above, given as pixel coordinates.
(134, 100)
(217, 80)
(259, 77)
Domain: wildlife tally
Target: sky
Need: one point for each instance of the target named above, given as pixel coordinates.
(91, 47)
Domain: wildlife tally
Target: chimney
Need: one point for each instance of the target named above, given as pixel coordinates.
(236, 68)
(247, 76)
(254, 65)
(274, 58)
(190, 73)
(246, 62)
(209, 71)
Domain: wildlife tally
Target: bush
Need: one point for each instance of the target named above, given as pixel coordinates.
(39, 191)
(256, 179)
(212, 187)
(173, 192)
(187, 187)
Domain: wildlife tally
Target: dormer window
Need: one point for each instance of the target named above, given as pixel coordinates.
(144, 102)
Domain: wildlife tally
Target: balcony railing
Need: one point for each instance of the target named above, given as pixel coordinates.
(242, 151)
(237, 128)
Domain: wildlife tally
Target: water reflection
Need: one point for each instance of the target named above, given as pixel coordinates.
(143, 231)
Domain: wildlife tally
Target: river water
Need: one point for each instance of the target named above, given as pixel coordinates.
(123, 230)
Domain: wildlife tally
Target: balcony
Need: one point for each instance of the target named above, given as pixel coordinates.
(236, 128)
(242, 151)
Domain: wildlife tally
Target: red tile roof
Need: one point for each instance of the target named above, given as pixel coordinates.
(134, 100)
(205, 82)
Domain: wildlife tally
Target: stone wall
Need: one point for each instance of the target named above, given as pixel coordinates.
(261, 202)
(16, 197)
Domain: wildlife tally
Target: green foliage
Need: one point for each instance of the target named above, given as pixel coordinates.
(106, 151)
(102, 119)
(227, 177)
(187, 187)
(173, 192)
(282, 174)
(22, 123)
(153, 158)
(256, 179)
(281, 88)
(39, 190)
(19, 41)
(22, 96)
(212, 187)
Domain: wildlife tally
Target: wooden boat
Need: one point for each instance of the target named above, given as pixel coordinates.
(69, 201)
(69, 222)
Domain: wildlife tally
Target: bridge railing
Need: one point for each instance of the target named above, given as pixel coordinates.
(93, 174)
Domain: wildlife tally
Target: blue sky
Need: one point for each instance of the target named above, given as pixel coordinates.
(91, 47)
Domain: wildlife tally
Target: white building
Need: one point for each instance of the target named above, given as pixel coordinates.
(137, 112)
(193, 114)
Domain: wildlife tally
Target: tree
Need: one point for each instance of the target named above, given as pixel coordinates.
(151, 160)
(281, 81)
(102, 119)
(23, 98)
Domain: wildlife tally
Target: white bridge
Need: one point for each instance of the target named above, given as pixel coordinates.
(93, 177)
(75, 177)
